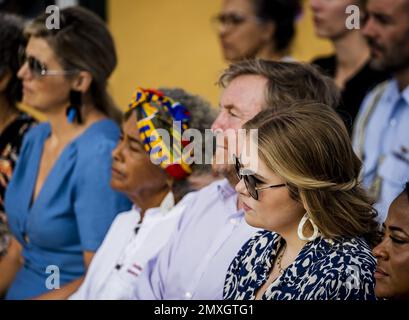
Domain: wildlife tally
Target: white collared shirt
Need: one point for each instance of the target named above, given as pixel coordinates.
(194, 262)
(119, 261)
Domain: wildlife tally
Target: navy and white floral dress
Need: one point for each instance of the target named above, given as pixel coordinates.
(339, 269)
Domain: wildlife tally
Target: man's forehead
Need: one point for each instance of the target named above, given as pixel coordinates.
(244, 92)
(399, 212)
(388, 7)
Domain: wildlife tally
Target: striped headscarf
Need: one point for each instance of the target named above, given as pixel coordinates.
(156, 111)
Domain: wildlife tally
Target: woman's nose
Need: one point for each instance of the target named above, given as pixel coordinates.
(117, 152)
(23, 72)
(380, 251)
(241, 187)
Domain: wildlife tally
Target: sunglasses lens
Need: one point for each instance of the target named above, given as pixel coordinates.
(251, 186)
(35, 66)
(21, 57)
(237, 167)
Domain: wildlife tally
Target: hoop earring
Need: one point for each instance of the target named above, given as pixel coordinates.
(73, 112)
(300, 230)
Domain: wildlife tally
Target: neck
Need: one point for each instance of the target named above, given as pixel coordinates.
(403, 78)
(63, 131)
(149, 199)
(351, 51)
(269, 53)
(293, 245)
(7, 113)
(177, 195)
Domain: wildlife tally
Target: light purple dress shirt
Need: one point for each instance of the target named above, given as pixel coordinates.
(193, 265)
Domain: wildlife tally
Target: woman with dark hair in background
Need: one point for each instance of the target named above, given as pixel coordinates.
(257, 28)
(13, 123)
(349, 65)
(59, 203)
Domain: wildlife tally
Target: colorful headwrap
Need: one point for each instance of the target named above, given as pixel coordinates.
(155, 111)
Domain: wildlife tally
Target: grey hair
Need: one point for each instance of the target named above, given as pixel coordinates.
(288, 82)
(202, 115)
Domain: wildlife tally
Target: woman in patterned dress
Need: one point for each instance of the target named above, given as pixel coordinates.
(301, 188)
(13, 123)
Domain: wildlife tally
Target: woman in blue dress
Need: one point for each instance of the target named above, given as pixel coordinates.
(300, 185)
(59, 203)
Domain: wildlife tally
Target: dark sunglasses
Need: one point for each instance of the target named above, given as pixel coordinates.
(39, 69)
(232, 19)
(250, 181)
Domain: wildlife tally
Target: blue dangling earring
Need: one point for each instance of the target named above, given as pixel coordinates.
(74, 110)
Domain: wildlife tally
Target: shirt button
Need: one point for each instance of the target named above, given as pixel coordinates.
(26, 239)
(188, 295)
(233, 221)
(393, 123)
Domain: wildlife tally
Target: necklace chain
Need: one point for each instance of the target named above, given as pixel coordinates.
(279, 258)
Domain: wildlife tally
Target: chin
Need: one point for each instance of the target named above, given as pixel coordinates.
(251, 220)
(231, 57)
(118, 185)
(35, 106)
(382, 293)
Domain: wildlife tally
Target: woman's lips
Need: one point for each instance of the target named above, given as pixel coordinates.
(246, 208)
(317, 21)
(117, 174)
(379, 273)
(26, 89)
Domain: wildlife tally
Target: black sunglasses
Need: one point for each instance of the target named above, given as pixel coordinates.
(232, 19)
(250, 181)
(39, 69)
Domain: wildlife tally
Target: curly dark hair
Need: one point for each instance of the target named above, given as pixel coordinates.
(283, 14)
(11, 40)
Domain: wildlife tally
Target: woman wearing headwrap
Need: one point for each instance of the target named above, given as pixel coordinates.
(153, 173)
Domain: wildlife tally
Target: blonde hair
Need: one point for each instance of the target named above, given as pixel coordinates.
(308, 145)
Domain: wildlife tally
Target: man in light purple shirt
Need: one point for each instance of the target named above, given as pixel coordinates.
(212, 229)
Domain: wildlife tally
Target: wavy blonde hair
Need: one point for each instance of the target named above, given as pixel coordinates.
(308, 145)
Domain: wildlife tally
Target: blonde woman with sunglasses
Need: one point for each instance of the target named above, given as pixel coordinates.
(302, 188)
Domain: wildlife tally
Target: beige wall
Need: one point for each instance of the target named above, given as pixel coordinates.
(172, 43)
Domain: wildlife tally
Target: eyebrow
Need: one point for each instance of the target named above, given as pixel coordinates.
(381, 16)
(130, 138)
(230, 107)
(252, 173)
(394, 228)
(133, 140)
(259, 177)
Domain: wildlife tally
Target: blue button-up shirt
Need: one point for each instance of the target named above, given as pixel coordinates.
(193, 265)
(386, 144)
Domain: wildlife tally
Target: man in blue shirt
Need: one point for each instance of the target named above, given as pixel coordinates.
(381, 133)
(194, 263)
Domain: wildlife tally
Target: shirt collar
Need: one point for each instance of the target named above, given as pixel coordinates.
(405, 95)
(393, 94)
(166, 205)
(225, 189)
